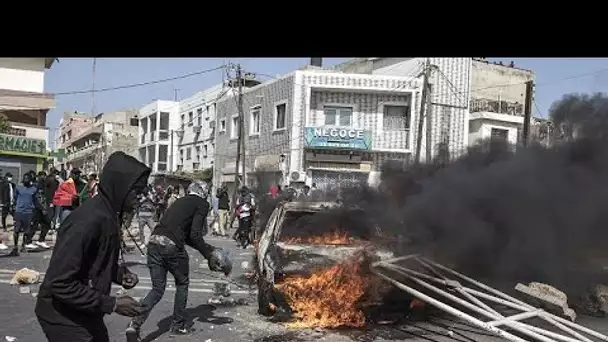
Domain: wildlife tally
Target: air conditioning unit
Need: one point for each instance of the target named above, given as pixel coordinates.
(297, 176)
(196, 129)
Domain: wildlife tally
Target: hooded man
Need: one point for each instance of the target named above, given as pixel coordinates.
(75, 293)
(42, 215)
(184, 223)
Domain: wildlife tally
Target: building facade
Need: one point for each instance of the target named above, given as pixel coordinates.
(319, 126)
(159, 135)
(89, 141)
(24, 105)
(498, 97)
(196, 144)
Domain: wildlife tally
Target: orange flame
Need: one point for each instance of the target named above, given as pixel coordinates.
(328, 298)
(335, 238)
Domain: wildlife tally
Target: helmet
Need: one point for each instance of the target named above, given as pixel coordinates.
(198, 188)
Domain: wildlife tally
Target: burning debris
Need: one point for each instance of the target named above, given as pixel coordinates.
(329, 297)
(332, 238)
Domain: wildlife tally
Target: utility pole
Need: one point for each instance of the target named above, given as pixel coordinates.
(528, 112)
(93, 109)
(239, 76)
(423, 101)
(238, 144)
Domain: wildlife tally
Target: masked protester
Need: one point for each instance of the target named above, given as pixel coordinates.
(7, 192)
(26, 202)
(184, 223)
(51, 184)
(42, 217)
(75, 293)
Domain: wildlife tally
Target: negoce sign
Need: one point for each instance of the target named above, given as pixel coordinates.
(11, 143)
(338, 137)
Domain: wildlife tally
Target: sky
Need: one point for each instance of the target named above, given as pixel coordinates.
(554, 78)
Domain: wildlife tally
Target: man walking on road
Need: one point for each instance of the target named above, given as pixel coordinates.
(75, 293)
(223, 209)
(145, 217)
(26, 202)
(184, 223)
(7, 194)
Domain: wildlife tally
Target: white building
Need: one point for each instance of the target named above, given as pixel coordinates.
(25, 105)
(159, 125)
(197, 121)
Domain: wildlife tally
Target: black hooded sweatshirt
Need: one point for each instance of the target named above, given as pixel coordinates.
(76, 287)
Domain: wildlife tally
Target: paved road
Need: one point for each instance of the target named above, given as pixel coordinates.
(215, 322)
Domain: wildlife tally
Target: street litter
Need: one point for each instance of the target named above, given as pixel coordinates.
(10, 338)
(549, 298)
(25, 276)
(221, 289)
(24, 289)
(228, 301)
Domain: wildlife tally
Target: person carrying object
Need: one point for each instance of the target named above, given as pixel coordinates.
(184, 223)
(75, 294)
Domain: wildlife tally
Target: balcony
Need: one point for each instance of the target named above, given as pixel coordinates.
(494, 106)
(16, 100)
(83, 152)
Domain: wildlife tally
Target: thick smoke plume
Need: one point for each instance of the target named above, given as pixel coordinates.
(506, 216)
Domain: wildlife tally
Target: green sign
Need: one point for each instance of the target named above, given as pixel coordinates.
(16, 144)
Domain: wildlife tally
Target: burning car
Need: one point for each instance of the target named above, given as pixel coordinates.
(311, 262)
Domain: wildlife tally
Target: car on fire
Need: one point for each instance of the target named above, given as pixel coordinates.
(301, 236)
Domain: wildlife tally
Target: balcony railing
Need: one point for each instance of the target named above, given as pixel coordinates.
(495, 106)
(163, 135)
(83, 152)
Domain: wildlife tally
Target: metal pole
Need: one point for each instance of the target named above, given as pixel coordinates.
(171, 143)
(241, 121)
(527, 112)
(421, 115)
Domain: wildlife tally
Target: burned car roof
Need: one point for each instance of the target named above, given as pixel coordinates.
(309, 206)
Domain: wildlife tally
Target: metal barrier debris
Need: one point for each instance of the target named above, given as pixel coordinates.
(470, 297)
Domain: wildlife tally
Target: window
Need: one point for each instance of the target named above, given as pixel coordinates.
(181, 156)
(207, 112)
(188, 153)
(255, 120)
(338, 116)
(223, 125)
(205, 151)
(234, 133)
(198, 153)
(190, 119)
(182, 119)
(134, 122)
(279, 119)
(499, 134)
(396, 118)
(199, 116)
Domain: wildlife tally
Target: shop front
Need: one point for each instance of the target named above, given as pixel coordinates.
(19, 155)
(337, 156)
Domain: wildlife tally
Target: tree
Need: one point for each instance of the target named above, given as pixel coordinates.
(5, 126)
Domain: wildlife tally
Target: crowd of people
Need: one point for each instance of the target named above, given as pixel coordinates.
(41, 202)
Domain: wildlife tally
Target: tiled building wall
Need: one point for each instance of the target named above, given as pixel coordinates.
(269, 141)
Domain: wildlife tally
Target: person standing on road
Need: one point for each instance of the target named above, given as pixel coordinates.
(42, 217)
(223, 209)
(145, 216)
(26, 201)
(51, 184)
(66, 197)
(184, 223)
(7, 194)
(75, 293)
(245, 209)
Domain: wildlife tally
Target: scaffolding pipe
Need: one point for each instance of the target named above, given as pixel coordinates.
(474, 308)
(449, 309)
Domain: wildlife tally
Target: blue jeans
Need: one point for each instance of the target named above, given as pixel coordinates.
(63, 214)
(163, 260)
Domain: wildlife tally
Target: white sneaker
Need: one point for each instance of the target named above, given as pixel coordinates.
(43, 245)
(31, 246)
(3, 247)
